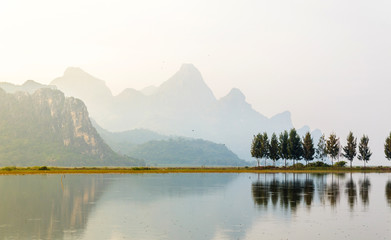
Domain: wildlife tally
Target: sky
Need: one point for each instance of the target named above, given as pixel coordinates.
(327, 62)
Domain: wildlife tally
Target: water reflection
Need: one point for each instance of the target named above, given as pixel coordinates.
(38, 207)
(351, 192)
(388, 192)
(195, 206)
(364, 190)
(332, 191)
(289, 192)
(292, 189)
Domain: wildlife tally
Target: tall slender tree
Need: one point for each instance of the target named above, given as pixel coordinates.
(387, 147)
(265, 146)
(308, 148)
(350, 148)
(283, 146)
(363, 149)
(256, 147)
(273, 149)
(321, 151)
(294, 146)
(332, 147)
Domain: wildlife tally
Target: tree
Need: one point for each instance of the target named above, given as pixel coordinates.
(387, 147)
(273, 149)
(256, 147)
(283, 146)
(265, 146)
(332, 147)
(321, 151)
(350, 148)
(294, 146)
(363, 149)
(308, 148)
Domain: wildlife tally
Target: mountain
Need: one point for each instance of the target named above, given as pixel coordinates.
(29, 86)
(161, 150)
(186, 152)
(183, 106)
(46, 128)
(124, 142)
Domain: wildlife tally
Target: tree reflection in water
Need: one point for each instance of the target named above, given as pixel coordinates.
(364, 190)
(388, 192)
(289, 192)
(309, 188)
(351, 192)
(332, 190)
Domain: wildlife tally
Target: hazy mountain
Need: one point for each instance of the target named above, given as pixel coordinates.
(183, 105)
(29, 86)
(124, 142)
(186, 152)
(161, 150)
(45, 128)
(93, 91)
(147, 91)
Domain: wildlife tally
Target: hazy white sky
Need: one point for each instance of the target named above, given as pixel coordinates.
(328, 62)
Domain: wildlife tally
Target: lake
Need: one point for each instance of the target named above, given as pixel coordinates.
(196, 206)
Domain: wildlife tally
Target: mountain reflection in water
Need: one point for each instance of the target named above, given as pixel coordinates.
(47, 206)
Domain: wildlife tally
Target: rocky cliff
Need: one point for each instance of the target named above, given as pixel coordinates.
(46, 128)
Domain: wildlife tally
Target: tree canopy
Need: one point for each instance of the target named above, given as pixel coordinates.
(387, 147)
(294, 145)
(273, 149)
(256, 147)
(308, 147)
(333, 147)
(350, 148)
(363, 149)
(283, 146)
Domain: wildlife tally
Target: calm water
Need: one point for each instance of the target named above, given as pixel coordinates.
(196, 206)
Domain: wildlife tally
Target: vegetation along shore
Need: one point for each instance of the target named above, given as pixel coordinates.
(289, 146)
(297, 168)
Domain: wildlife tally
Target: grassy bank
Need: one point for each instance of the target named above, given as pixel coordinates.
(135, 170)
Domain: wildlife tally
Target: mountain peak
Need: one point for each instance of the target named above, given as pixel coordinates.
(188, 67)
(72, 71)
(283, 120)
(236, 94)
(75, 81)
(187, 73)
(187, 82)
(31, 83)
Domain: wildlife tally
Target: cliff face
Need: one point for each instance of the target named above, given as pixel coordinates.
(46, 128)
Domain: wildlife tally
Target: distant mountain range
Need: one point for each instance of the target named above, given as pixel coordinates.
(39, 126)
(46, 128)
(183, 106)
(161, 150)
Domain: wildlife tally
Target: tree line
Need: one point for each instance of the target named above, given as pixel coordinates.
(289, 146)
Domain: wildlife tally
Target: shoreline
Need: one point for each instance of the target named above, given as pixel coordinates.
(163, 170)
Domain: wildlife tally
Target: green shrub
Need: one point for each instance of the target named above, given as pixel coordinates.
(317, 164)
(9, 168)
(298, 166)
(43, 168)
(340, 164)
